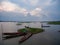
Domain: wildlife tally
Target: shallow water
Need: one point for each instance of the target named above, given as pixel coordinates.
(50, 36)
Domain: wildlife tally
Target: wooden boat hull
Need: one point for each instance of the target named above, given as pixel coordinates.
(13, 36)
(25, 38)
(13, 33)
(45, 26)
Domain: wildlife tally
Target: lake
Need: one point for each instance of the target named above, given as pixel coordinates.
(50, 36)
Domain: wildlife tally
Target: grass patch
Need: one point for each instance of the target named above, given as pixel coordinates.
(32, 30)
(54, 22)
(18, 24)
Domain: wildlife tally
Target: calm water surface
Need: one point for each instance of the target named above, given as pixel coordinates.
(50, 36)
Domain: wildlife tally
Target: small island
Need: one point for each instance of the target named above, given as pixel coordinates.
(29, 32)
(32, 30)
(18, 24)
(54, 22)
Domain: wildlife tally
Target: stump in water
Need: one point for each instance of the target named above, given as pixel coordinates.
(59, 31)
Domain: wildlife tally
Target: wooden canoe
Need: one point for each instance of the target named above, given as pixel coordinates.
(14, 33)
(25, 37)
(13, 36)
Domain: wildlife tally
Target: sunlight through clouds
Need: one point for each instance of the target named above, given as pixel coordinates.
(30, 8)
(11, 7)
(8, 6)
(36, 12)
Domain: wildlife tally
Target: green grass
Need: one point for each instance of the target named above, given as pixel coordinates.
(22, 30)
(18, 24)
(54, 22)
(32, 30)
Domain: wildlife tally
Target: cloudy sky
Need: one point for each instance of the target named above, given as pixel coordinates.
(29, 10)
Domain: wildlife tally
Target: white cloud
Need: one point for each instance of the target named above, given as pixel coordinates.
(39, 12)
(36, 12)
(38, 2)
(31, 2)
(11, 7)
(7, 6)
(48, 2)
(34, 2)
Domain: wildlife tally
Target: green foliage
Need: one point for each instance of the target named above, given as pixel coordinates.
(54, 22)
(22, 30)
(35, 30)
(32, 30)
(18, 24)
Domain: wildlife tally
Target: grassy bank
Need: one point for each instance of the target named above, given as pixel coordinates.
(32, 30)
(18, 24)
(54, 22)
